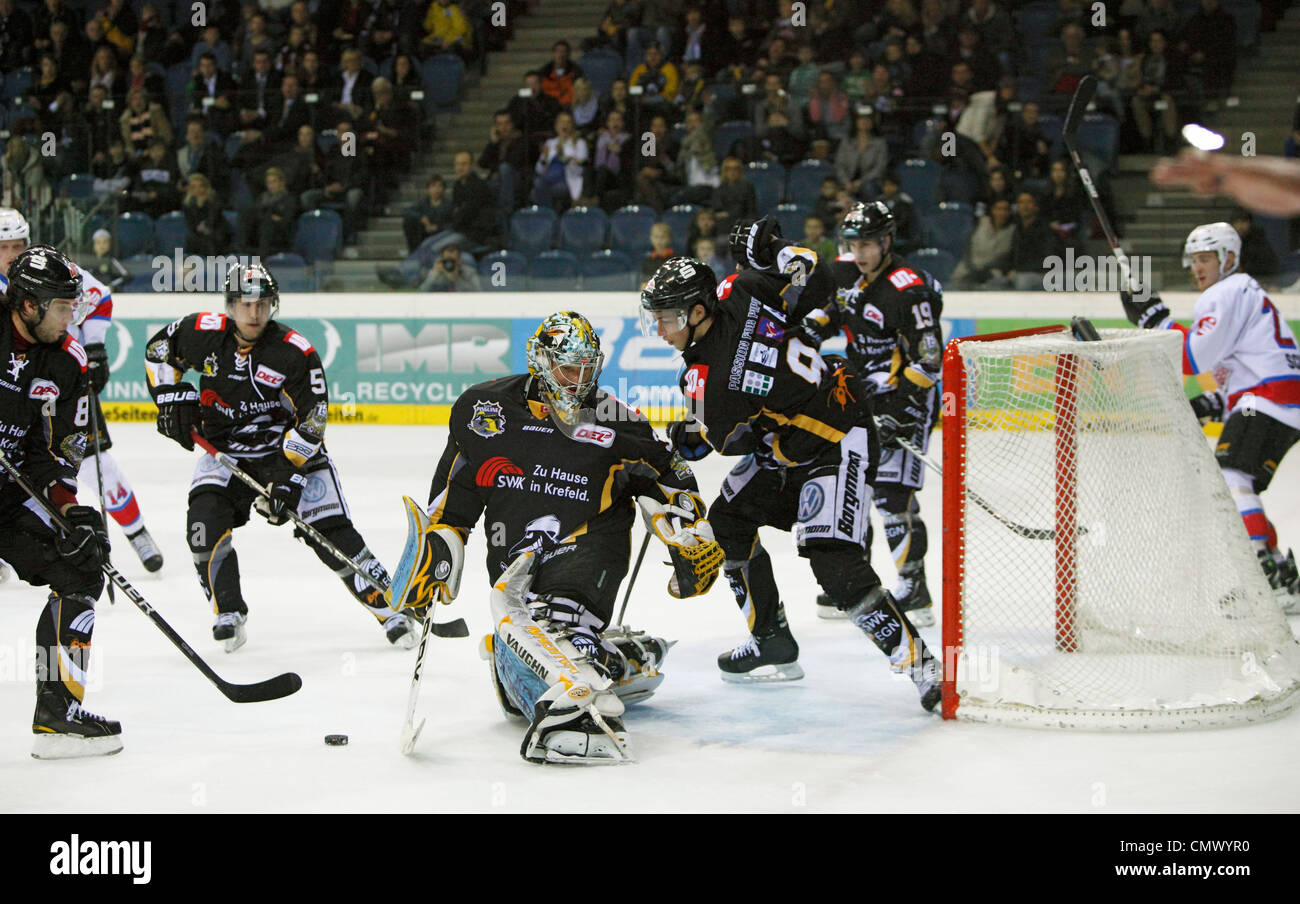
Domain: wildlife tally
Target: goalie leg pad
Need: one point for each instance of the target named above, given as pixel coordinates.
(431, 562)
(568, 727)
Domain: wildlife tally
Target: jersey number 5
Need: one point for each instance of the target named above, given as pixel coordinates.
(318, 381)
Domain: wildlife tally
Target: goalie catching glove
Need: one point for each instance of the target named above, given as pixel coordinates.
(431, 562)
(696, 556)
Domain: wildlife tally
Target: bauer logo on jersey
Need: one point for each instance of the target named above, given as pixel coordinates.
(874, 314)
(42, 389)
(1206, 325)
(487, 420)
(756, 383)
(811, 499)
(694, 380)
(764, 355)
(769, 329)
(268, 377)
(599, 436)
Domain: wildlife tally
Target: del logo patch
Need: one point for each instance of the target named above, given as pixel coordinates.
(487, 420)
(600, 436)
(768, 329)
(268, 377)
(874, 314)
(694, 379)
(42, 389)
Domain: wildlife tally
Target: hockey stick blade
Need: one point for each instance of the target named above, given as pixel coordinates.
(456, 628)
(1083, 95)
(410, 736)
(270, 689)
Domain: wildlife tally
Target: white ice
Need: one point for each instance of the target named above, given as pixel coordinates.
(849, 737)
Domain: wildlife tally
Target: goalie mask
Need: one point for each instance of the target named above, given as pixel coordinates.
(1219, 238)
(564, 356)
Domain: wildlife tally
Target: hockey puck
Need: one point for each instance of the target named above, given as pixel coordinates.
(336, 740)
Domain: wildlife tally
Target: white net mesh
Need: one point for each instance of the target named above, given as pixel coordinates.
(1116, 586)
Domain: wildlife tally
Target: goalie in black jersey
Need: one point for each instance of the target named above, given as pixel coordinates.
(889, 311)
(802, 426)
(263, 401)
(550, 463)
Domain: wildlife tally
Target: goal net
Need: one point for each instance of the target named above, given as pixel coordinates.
(1096, 572)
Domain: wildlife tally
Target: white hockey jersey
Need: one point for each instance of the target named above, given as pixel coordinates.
(1238, 336)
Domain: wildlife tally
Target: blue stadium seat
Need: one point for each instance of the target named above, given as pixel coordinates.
(290, 272)
(728, 133)
(241, 197)
(769, 184)
(141, 269)
(922, 129)
(134, 234)
(935, 261)
(531, 230)
(959, 186)
(679, 220)
(79, 185)
(18, 80)
(554, 271)
(318, 236)
(609, 271)
(582, 229)
(804, 184)
(792, 217)
(442, 74)
(949, 227)
(232, 220)
(169, 232)
(726, 99)
(515, 272)
(629, 229)
(603, 67)
(920, 179)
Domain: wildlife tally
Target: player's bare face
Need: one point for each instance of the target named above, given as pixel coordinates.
(867, 254)
(250, 317)
(10, 250)
(672, 328)
(58, 316)
(1205, 269)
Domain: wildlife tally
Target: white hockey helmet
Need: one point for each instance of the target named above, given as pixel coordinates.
(13, 225)
(1217, 237)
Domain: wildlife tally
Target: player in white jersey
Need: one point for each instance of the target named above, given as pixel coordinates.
(119, 499)
(1238, 335)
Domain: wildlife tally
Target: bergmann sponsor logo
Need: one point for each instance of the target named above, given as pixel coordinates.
(848, 513)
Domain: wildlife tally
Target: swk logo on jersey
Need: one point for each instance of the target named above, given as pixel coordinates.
(694, 379)
(500, 471)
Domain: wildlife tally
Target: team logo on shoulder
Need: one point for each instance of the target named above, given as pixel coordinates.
(1206, 325)
(724, 287)
(210, 322)
(874, 314)
(811, 499)
(43, 390)
(590, 433)
(16, 364)
(299, 341)
(903, 278)
(210, 365)
(694, 379)
(487, 420)
(158, 351)
(495, 467)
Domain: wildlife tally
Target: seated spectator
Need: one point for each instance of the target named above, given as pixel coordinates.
(534, 112)
(105, 71)
(693, 89)
(996, 188)
(615, 161)
(428, 216)
(820, 150)
(1064, 203)
(896, 62)
(103, 266)
(101, 119)
(1067, 65)
(816, 239)
(157, 43)
(656, 170)
(803, 78)
(560, 74)
(660, 22)
(446, 30)
(775, 98)
(49, 82)
(342, 181)
(153, 181)
(452, 274)
(857, 79)
(997, 34)
(984, 66)
(862, 157)
(661, 248)
(778, 143)
(312, 78)
(112, 171)
(738, 47)
(700, 40)
(381, 31)
(697, 162)
(1159, 74)
(256, 39)
(734, 199)
(1034, 242)
(406, 78)
(1024, 147)
(1158, 15)
(139, 77)
(619, 17)
(585, 108)
(290, 114)
(267, 227)
(472, 206)
(704, 225)
(616, 99)
(142, 122)
(829, 206)
(211, 42)
(385, 129)
(561, 166)
(259, 92)
(828, 110)
(776, 59)
(291, 53)
(301, 164)
(1210, 36)
(350, 89)
(1257, 256)
(656, 77)
(198, 155)
(901, 205)
(206, 230)
(706, 249)
(212, 95)
(988, 256)
(505, 158)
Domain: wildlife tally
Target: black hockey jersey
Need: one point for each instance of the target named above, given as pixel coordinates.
(892, 324)
(536, 487)
(253, 401)
(44, 409)
(753, 389)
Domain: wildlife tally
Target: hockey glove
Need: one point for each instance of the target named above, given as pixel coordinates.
(1209, 407)
(901, 414)
(687, 440)
(1147, 314)
(178, 412)
(695, 554)
(284, 491)
(755, 246)
(810, 331)
(85, 545)
(97, 366)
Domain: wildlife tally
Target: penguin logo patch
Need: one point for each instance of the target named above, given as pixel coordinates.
(487, 420)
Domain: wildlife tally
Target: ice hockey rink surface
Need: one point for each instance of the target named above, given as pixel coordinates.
(850, 737)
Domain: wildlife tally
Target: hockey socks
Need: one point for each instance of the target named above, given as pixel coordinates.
(878, 617)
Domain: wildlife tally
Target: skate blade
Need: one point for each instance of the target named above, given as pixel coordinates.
(921, 618)
(55, 746)
(231, 644)
(830, 612)
(764, 674)
(639, 689)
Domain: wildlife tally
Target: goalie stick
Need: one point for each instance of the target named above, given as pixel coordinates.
(636, 569)
(1083, 95)
(270, 689)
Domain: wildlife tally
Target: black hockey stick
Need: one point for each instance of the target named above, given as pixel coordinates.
(271, 689)
(1083, 95)
(99, 474)
(636, 569)
(456, 628)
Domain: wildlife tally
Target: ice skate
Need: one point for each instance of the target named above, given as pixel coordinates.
(402, 631)
(826, 607)
(912, 596)
(64, 729)
(772, 657)
(229, 630)
(643, 657)
(148, 551)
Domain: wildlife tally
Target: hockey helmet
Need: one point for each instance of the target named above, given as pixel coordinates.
(565, 340)
(867, 221)
(42, 274)
(678, 285)
(1217, 237)
(13, 225)
(749, 241)
(252, 282)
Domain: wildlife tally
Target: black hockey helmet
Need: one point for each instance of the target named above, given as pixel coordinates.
(750, 240)
(252, 282)
(867, 221)
(678, 285)
(41, 274)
